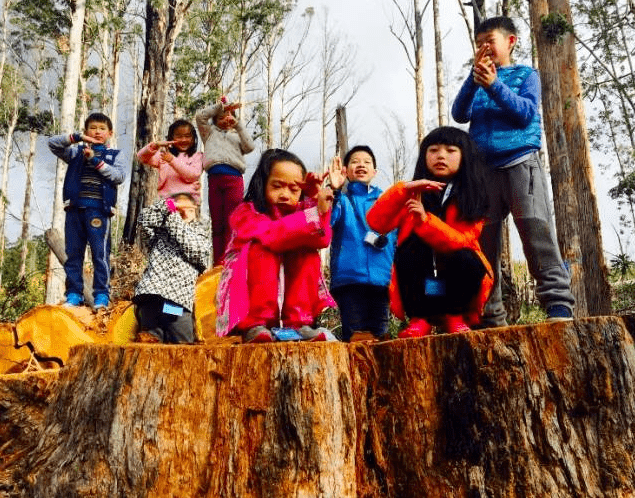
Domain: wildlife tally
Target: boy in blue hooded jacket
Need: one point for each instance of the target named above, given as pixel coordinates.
(361, 260)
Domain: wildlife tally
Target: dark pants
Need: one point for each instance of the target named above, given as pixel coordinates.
(87, 226)
(170, 329)
(362, 308)
(225, 193)
(459, 277)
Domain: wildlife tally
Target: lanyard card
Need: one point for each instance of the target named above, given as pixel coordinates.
(434, 287)
(172, 309)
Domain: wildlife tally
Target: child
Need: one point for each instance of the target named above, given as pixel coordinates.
(501, 102)
(440, 274)
(226, 141)
(178, 251)
(180, 165)
(361, 259)
(90, 195)
(273, 253)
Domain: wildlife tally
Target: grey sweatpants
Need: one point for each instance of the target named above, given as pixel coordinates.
(522, 189)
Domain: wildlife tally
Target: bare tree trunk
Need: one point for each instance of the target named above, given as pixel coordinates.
(5, 32)
(468, 26)
(598, 289)
(341, 132)
(55, 275)
(442, 106)
(418, 73)
(565, 199)
(26, 208)
(508, 287)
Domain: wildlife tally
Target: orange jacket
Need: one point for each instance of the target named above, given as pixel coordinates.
(443, 236)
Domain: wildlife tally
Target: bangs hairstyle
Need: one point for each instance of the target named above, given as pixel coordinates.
(98, 117)
(172, 129)
(360, 148)
(468, 183)
(258, 183)
(501, 23)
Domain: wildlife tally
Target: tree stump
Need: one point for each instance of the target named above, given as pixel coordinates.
(525, 411)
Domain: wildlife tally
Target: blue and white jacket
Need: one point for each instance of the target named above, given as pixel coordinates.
(353, 261)
(504, 119)
(107, 163)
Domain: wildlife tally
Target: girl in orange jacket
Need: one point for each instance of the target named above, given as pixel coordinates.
(440, 276)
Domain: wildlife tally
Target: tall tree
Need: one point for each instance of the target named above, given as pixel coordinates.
(442, 106)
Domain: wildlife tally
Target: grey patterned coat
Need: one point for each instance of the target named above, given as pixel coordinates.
(177, 253)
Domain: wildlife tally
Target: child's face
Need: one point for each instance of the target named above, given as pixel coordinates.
(98, 131)
(183, 138)
(225, 121)
(186, 208)
(283, 186)
(443, 161)
(360, 167)
(500, 45)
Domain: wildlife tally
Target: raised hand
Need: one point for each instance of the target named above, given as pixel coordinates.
(324, 200)
(424, 186)
(312, 183)
(415, 206)
(337, 173)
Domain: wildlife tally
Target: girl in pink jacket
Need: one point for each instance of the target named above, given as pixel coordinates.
(273, 253)
(180, 165)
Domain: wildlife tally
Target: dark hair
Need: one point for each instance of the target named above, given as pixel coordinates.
(468, 183)
(358, 148)
(258, 183)
(501, 23)
(98, 117)
(172, 129)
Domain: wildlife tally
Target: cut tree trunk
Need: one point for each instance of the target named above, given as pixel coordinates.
(525, 411)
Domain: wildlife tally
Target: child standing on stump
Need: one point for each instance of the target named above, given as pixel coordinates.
(178, 250)
(226, 142)
(440, 275)
(361, 260)
(180, 165)
(90, 196)
(501, 101)
(272, 272)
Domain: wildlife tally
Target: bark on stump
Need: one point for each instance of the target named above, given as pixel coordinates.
(544, 410)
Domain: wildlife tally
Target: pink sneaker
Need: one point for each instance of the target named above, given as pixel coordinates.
(453, 324)
(417, 327)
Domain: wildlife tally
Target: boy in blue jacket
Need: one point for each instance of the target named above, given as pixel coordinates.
(501, 102)
(90, 195)
(361, 260)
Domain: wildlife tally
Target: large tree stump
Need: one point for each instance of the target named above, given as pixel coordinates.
(533, 411)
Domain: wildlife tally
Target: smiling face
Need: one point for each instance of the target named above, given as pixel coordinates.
(360, 167)
(499, 46)
(443, 161)
(99, 131)
(183, 138)
(283, 186)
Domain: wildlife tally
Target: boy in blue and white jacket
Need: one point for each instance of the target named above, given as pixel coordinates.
(90, 195)
(361, 260)
(501, 102)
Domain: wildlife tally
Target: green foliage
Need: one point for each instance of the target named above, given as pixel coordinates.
(51, 18)
(622, 266)
(624, 297)
(530, 313)
(19, 296)
(555, 26)
(36, 259)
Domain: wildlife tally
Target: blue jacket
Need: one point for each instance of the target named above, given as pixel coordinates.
(354, 261)
(504, 119)
(106, 162)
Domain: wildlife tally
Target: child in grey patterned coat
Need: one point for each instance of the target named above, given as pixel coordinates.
(178, 252)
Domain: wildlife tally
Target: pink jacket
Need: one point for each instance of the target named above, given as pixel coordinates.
(305, 228)
(181, 176)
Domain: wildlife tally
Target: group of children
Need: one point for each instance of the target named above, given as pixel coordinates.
(422, 249)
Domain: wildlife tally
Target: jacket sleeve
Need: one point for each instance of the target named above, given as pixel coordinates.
(462, 106)
(62, 146)
(115, 173)
(445, 238)
(304, 228)
(336, 212)
(203, 117)
(246, 142)
(521, 107)
(388, 212)
(149, 156)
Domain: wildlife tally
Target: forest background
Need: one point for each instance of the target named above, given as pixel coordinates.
(292, 64)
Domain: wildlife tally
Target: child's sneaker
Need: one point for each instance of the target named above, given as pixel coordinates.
(257, 334)
(417, 327)
(314, 335)
(453, 324)
(101, 301)
(73, 299)
(559, 313)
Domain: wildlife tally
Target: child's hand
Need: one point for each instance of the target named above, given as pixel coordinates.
(231, 107)
(324, 200)
(485, 73)
(90, 140)
(311, 184)
(425, 186)
(337, 173)
(167, 156)
(415, 206)
(88, 152)
(163, 143)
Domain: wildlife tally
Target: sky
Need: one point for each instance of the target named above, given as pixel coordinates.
(388, 88)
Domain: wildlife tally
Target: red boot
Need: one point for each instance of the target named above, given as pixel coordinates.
(454, 324)
(417, 327)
